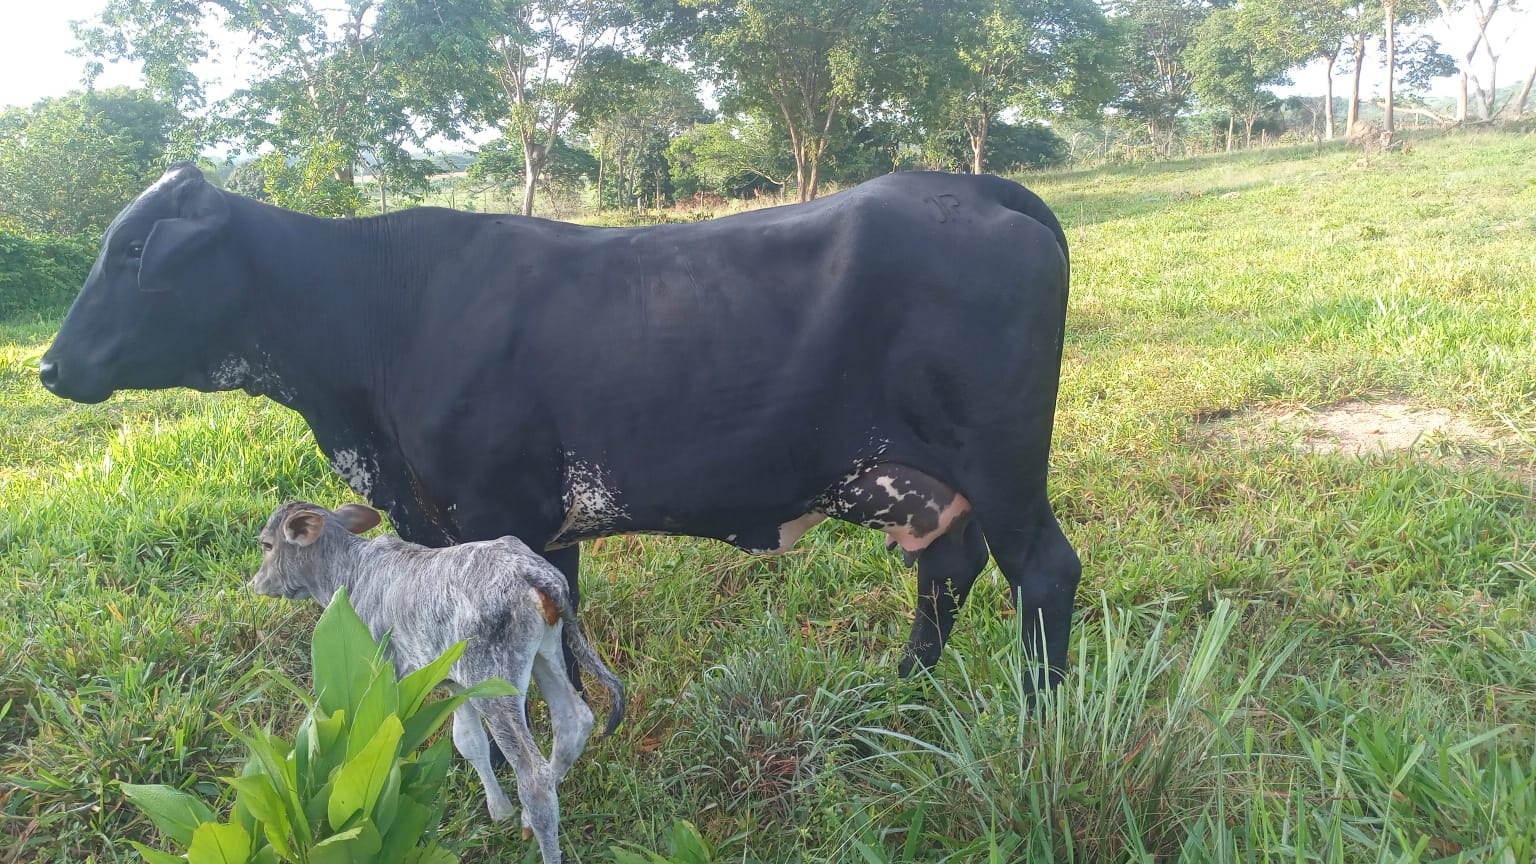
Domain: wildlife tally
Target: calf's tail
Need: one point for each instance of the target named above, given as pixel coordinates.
(551, 584)
(587, 657)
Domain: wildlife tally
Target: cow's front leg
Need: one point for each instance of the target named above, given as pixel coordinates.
(568, 559)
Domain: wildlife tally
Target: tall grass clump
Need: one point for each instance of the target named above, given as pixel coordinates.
(766, 730)
(1192, 749)
(1134, 752)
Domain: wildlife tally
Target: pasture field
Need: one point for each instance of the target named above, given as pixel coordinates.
(1282, 652)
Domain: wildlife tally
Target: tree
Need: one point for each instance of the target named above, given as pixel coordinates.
(1306, 30)
(519, 64)
(1361, 30)
(328, 88)
(1396, 12)
(1010, 147)
(310, 182)
(1158, 85)
(69, 164)
(1032, 57)
(1236, 54)
(1481, 13)
(1525, 92)
(634, 110)
(731, 157)
(799, 62)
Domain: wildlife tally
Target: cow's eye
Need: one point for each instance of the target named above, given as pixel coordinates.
(135, 249)
(266, 546)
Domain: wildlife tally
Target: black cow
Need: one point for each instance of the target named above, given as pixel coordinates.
(888, 356)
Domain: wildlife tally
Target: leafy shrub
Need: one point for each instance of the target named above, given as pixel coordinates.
(351, 787)
(41, 274)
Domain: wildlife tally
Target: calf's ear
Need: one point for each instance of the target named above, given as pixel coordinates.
(303, 528)
(358, 518)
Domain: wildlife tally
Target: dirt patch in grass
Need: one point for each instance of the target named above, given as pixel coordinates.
(1359, 427)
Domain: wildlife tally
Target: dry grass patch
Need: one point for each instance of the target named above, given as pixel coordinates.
(1359, 427)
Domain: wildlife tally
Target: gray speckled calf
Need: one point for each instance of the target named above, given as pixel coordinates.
(505, 600)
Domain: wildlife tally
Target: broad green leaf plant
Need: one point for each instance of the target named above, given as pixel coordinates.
(355, 784)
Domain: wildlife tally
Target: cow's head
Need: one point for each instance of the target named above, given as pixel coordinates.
(304, 546)
(164, 286)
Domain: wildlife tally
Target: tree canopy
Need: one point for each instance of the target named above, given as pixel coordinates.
(683, 97)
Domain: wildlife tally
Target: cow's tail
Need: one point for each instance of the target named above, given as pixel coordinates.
(550, 583)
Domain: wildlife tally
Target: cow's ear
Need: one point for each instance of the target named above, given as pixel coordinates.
(358, 518)
(171, 251)
(303, 528)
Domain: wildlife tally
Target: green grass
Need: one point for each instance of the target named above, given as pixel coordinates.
(1280, 654)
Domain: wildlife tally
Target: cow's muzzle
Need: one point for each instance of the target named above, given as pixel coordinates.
(53, 378)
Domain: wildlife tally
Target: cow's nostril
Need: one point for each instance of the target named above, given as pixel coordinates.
(48, 373)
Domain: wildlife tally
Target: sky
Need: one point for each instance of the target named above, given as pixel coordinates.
(35, 61)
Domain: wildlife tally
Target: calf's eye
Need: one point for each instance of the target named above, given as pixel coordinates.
(135, 249)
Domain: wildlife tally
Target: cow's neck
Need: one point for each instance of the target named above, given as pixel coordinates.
(331, 293)
(324, 340)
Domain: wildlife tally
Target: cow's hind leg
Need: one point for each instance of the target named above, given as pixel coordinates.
(1042, 570)
(568, 560)
(946, 569)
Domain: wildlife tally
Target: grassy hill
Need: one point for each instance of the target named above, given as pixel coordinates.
(1287, 648)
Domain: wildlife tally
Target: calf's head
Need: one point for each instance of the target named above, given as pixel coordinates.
(164, 286)
(302, 546)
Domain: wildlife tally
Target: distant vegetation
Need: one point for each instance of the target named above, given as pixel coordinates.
(594, 105)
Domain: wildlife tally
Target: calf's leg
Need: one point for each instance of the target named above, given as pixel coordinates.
(535, 781)
(568, 712)
(469, 738)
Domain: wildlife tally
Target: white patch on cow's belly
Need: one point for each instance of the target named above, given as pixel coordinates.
(356, 469)
(592, 505)
(789, 533)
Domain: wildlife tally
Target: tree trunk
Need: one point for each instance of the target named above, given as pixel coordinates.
(979, 145)
(1248, 121)
(600, 160)
(1491, 101)
(1525, 92)
(1461, 99)
(815, 175)
(383, 196)
(533, 164)
(1354, 92)
(1390, 7)
(801, 181)
(1328, 107)
(1231, 125)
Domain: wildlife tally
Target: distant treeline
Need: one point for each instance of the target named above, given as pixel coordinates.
(603, 104)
